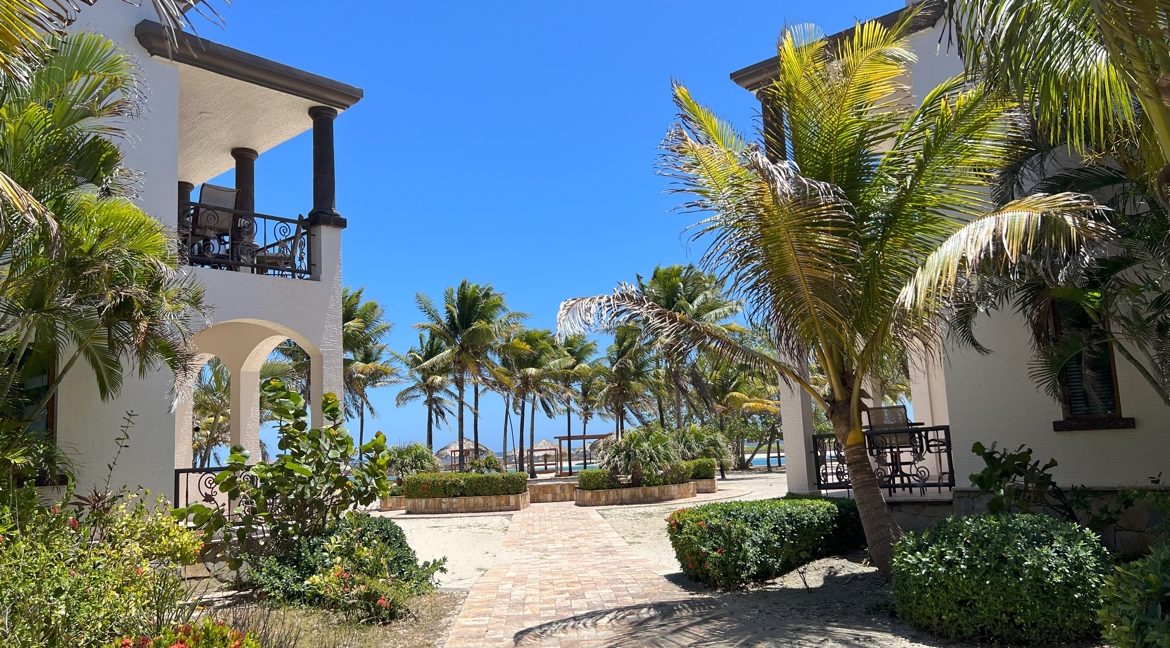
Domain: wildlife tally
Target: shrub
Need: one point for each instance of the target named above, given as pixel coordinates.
(676, 473)
(596, 479)
(729, 544)
(703, 468)
(640, 452)
(848, 534)
(73, 577)
(1135, 610)
(486, 464)
(426, 485)
(316, 478)
(698, 442)
(406, 460)
(1001, 578)
(204, 634)
(363, 568)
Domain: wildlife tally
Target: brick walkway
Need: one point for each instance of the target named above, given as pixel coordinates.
(571, 581)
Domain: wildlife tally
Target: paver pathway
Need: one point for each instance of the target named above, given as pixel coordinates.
(569, 580)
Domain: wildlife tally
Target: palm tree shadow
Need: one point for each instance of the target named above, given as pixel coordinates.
(842, 606)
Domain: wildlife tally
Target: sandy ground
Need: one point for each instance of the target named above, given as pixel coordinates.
(471, 543)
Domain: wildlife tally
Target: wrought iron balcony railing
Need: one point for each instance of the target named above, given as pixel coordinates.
(197, 486)
(913, 460)
(233, 239)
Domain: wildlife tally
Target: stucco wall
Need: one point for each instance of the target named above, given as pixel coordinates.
(309, 311)
(992, 399)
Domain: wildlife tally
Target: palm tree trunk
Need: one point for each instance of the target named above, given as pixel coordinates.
(881, 530)
(361, 430)
(475, 418)
(584, 443)
(532, 439)
(431, 428)
(460, 388)
(569, 431)
(520, 450)
(504, 445)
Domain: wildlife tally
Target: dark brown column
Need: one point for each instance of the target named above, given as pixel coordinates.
(774, 140)
(324, 182)
(185, 189)
(245, 178)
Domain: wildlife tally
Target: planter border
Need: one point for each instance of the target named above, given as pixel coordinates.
(551, 492)
(392, 503)
(639, 495)
(475, 504)
(705, 485)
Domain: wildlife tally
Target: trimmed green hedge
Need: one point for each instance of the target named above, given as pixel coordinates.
(425, 485)
(702, 468)
(848, 534)
(596, 479)
(1015, 579)
(729, 544)
(1135, 610)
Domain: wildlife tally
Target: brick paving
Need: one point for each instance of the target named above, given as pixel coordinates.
(570, 581)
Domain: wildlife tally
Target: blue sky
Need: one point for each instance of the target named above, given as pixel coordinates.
(511, 143)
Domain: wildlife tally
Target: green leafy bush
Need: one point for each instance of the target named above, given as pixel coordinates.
(848, 534)
(729, 544)
(204, 634)
(427, 485)
(406, 460)
(703, 468)
(1020, 578)
(639, 453)
(363, 569)
(316, 478)
(486, 464)
(596, 479)
(81, 577)
(698, 442)
(676, 473)
(1135, 610)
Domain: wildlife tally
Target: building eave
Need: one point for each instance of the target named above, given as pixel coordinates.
(757, 75)
(221, 59)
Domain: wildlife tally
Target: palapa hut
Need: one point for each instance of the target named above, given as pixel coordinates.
(448, 455)
(544, 456)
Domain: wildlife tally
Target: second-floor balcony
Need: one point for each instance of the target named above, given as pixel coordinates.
(226, 238)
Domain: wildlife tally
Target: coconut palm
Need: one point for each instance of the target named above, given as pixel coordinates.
(627, 377)
(366, 363)
(579, 351)
(847, 250)
(211, 407)
(538, 379)
(468, 326)
(427, 382)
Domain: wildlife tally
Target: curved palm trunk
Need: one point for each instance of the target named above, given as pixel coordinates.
(461, 389)
(881, 530)
(569, 431)
(584, 443)
(520, 451)
(475, 419)
(532, 440)
(504, 445)
(361, 431)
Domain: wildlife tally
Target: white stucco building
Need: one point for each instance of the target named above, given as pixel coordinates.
(991, 398)
(268, 279)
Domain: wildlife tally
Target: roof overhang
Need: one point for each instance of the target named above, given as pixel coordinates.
(232, 99)
(757, 75)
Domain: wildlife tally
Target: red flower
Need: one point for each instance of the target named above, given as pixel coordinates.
(719, 551)
(383, 603)
(73, 523)
(55, 510)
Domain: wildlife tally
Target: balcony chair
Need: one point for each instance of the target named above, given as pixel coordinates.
(281, 257)
(211, 223)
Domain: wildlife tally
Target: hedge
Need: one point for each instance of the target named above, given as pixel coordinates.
(1135, 610)
(848, 534)
(702, 468)
(425, 485)
(1014, 579)
(597, 479)
(729, 544)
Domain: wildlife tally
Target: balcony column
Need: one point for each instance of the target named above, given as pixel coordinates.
(245, 178)
(324, 180)
(796, 424)
(185, 190)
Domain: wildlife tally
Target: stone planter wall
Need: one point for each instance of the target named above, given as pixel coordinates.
(705, 485)
(640, 495)
(477, 504)
(551, 492)
(393, 503)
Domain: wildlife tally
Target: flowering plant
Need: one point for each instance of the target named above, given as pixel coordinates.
(203, 634)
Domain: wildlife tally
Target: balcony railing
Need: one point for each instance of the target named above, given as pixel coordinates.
(913, 460)
(197, 486)
(233, 239)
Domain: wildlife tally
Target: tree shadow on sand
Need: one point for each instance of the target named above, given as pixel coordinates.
(833, 603)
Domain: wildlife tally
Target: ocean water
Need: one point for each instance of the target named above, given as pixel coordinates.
(760, 460)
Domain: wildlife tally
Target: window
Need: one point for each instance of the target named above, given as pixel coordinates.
(1088, 380)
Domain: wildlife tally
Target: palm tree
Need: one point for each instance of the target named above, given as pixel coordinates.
(468, 327)
(847, 250)
(427, 382)
(700, 297)
(627, 377)
(579, 351)
(589, 384)
(212, 411)
(538, 378)
(366, 363)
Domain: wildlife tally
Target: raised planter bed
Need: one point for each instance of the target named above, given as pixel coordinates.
(640, 495)
(474, 504)
(551, 491)
(705, 485)
(393, 503)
